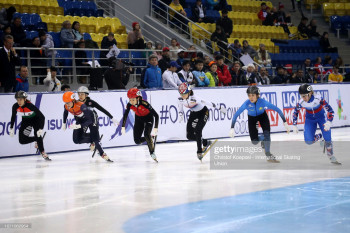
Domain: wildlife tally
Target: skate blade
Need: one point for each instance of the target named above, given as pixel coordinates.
(336, 163)
(155, 160)
(47, 159)
(208, 149)
(273, 161)
(111, 161)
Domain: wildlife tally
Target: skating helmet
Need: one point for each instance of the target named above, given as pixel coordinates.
(184, 88)
(21, 94)
(253, 90)
(68, 97)
(305, 89)
(133, 93)
(83, 89)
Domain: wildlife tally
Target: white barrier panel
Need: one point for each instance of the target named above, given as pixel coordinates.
(165, 102)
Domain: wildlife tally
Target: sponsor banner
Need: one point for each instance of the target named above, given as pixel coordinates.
(165, 102)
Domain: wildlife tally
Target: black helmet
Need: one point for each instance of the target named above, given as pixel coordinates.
(21, 94)
(253, 90)
(305, 89)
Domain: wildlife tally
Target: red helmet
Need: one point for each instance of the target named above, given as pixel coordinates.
(68, 97)
(133, 93)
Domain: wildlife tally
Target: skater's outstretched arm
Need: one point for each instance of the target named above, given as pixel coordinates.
(14, 114)
(65, 116)
(38, 113)
(152, 111)
(275, 108)
(329, 109)
(240, 110)
(126, 113)
(94, 104)
(296, 113)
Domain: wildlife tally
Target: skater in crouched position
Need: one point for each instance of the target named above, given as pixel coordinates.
(197, 119)
(32, 118)
(145, 115)
(256, 113)
(315, 107)
(83, 93)
(84, 118)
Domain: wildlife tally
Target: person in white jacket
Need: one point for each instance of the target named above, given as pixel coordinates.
(51, 81)
(170, 78)
(47, 43)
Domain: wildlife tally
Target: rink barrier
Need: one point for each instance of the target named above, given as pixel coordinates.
(218, 125)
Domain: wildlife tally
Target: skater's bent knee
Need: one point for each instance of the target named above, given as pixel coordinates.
(309, 142)
(255, 142)
(137, 141)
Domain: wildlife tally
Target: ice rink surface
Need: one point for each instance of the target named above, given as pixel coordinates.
(75, 193)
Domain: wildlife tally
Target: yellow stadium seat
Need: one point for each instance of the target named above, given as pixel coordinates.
(33, 9)
(59, 10)
(347, 7)
(328, 9)
(53, 3)
(339, 9)
(83, 28)
(42, 10)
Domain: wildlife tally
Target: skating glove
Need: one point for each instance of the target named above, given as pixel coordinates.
(123, 130)
(64, 126)
(295, 129)
(115, 122)
(74, 126)
(327, 126)
(12, 132)
(181, 117)
(223, 109)
(232, 133)
(287, 127)
(39, 133)
(154, 132)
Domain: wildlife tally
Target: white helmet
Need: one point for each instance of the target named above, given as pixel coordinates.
(83, 89)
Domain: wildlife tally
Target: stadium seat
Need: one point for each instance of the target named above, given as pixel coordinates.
(339, 9)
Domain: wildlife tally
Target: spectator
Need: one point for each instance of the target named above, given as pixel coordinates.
(225, 23)
(303, 29)
(280, 77)
(174, 48)
(177, 14)
(81, 61)
(67, 36)
(283, 19)
(117, 76)
(206, 66)
(326, 46)
(22, 83)
(191, 55)
(149, 49)
(51, 81)
(310, 76)
(18, 32)
(170, 78)
(6, 31)
(8, 61)
(236, 49)
(37, 60)
(247, 49)
(198, 12)
(159, 48)
(250, 76)
(297, 77)
(65, 88)
(164, 63)
(328, 64)
(212, 75)
(271, 17)
(220, 38)
(6, 16)
(185, 75)
(135, 37)
(201, 79)
(313, 30)
(262, 13)
(180, 57)
(335, 76)
(339, 62)
(264, 76)
(237, 75)
(76, 31)
(47, 43)
(107, 43)
(306, 65)
(263, 57)
(319, 67)
(223, 72)
(153, 74)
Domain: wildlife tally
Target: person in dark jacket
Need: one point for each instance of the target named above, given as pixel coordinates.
(117, 76)
(107, 43)
(22, 83)
(225, 23)
(164, 63)
(220, 38)
(303, 29)
(153, 75)
(199, 13)
(237, 74)
(18, 32)
(81, 59)
(247, 49)
(326, 46)
(313, 29)
(280, 77)
(38, 61)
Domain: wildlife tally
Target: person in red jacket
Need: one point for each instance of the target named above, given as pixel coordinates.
(223, 72)
(262, 13)
(144, 117)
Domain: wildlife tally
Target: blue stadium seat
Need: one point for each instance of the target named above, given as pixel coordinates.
(99, 13)
(87, 36)
(56, 36)
(213, 14)
(188, 12)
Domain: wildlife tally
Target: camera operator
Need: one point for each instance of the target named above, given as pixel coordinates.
(117, 76)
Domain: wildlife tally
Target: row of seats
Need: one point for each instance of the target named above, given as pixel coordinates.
(341, 23)
(299, 46)
(31, 9)
(269, 45)
(87, 24)
(211, 14)
(30, 21)
(261, 32)
(340, 9)
(81, 8)
(247, 6)
(244, 18)
(297, 58)
(120, 38)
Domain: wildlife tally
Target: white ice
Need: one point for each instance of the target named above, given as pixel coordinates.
(75, 193)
